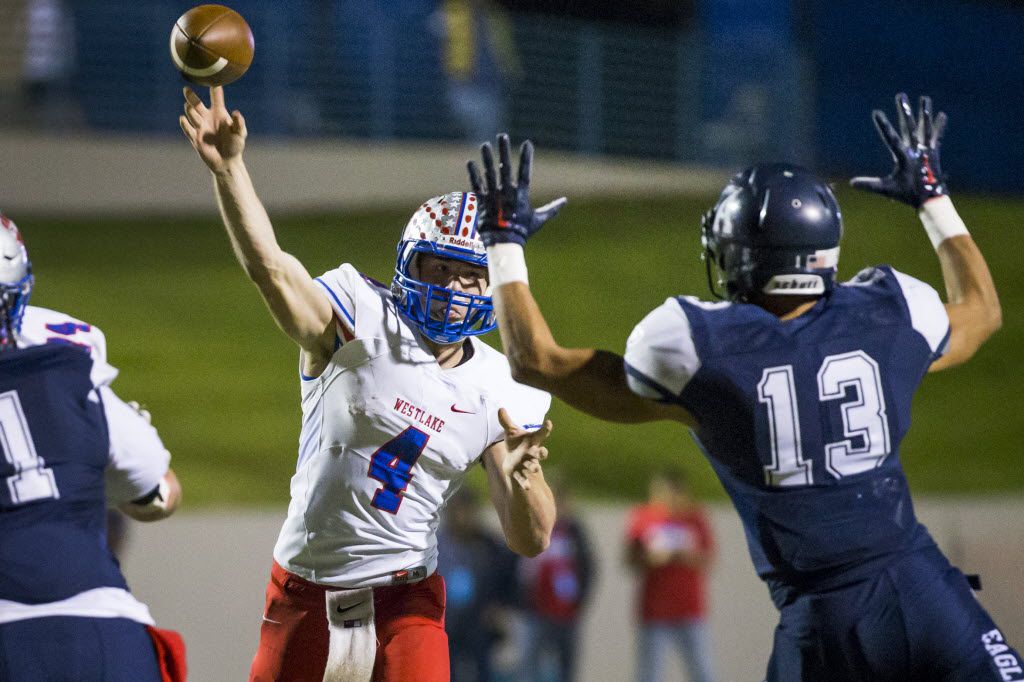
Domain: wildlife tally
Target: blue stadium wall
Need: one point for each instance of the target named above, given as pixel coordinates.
(751, 79)
(969, 56)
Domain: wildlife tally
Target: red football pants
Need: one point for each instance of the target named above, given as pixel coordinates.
(411, 641)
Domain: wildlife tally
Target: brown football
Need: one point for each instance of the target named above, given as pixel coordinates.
(212, 45)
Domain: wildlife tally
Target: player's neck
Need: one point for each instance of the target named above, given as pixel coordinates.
(451, 354)
(786, 307)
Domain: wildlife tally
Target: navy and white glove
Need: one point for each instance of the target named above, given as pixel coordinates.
(917, 176)
(506, 216)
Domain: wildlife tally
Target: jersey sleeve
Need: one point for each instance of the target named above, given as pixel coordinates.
(138, 458)
(103, 373)
(927, 312)
(528, 407)
(355, 299)
(661, 357)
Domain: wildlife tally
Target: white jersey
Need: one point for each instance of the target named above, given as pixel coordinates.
(138, 460)
(387, 437)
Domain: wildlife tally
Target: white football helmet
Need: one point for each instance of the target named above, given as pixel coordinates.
(444, 226)
(15, 282)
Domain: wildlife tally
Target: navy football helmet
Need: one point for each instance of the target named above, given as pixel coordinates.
(15, 282)
(775, 230)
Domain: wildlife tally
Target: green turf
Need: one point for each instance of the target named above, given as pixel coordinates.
(195, 343)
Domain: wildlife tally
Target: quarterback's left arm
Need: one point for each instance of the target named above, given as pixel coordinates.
(917, 180)
(521, 496)
(593, 381)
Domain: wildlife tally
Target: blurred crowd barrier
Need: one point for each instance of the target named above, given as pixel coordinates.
(738, 81)
(205, 575)
(137, 176)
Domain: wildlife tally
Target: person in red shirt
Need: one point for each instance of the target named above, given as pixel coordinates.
(670, 546)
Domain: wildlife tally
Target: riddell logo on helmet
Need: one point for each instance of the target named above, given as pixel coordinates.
(459, 241)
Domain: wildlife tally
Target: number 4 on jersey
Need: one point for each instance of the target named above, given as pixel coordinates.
(392, 465)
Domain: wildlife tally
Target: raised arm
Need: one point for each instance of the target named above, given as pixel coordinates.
(521, 496)
(593, 381)
(917, 180)
(297, 306)
(972, 302)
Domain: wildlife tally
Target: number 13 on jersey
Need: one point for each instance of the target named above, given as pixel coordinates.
(864, 419)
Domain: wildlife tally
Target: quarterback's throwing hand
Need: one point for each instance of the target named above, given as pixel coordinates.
(505, 212)
(525, 449)
(917, 176)
(218, 136)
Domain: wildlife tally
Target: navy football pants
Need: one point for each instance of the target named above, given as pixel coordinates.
(916, 620)
(66, 648)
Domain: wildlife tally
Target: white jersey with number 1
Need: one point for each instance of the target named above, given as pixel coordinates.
(387, 437)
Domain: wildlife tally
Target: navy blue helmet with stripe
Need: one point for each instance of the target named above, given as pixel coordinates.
(774, 230)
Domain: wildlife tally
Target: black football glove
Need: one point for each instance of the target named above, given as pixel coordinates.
(917, 176)
(505, 212)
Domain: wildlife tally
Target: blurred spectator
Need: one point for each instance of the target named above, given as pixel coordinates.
(555, 586)
(479, 575)
(670, 546)
(479, 58)
(48, 65)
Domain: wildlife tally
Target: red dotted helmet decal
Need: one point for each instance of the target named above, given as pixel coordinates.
(447, 220)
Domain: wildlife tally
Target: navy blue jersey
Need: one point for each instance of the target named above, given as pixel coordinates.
(802, 419)
(52, 503)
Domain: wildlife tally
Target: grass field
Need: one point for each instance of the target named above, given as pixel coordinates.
(196, 345)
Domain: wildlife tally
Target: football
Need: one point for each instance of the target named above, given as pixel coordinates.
(212, 45)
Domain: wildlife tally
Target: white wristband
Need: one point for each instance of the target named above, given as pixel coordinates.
(507, 263)
(940, 220)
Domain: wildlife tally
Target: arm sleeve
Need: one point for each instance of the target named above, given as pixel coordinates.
(660, 354)
(928, 314)
(528, 407)
(138, 458)
(352, 296)
(103, 373)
